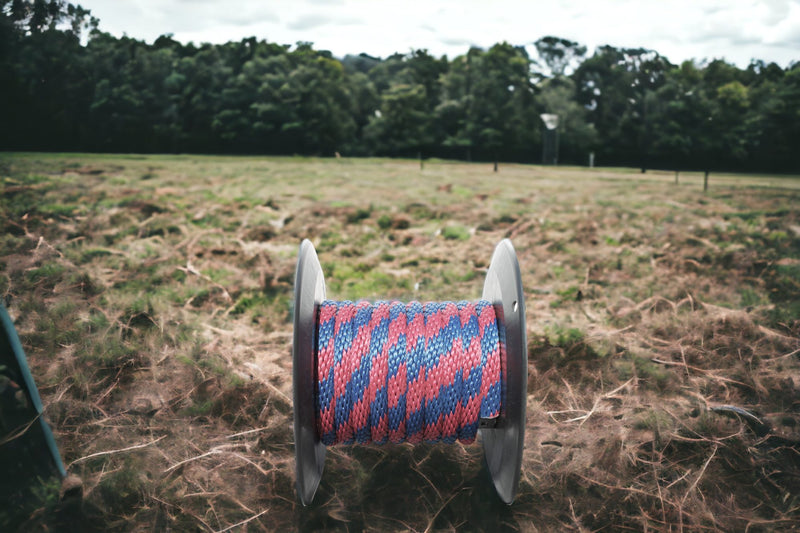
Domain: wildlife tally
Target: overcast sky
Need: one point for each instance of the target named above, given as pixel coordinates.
(737, 30)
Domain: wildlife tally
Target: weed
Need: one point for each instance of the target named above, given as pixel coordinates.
(36, 495)
(564, 337)
(10, 244)
(459, 275)
(58, 326)
(123, 488)
(58, 210)
(82, 283)
(202, 408)
(385, 221)
(45, 276)
(654, 420)
(750, 297)
(112, 351)
(95, 323)
(362, 213)
(251, 302)
(557, 271)
(329, 240)
(92, 253)
(643, 369)
(421, 211)
(165, 228)
(455, 232)
(218, 275)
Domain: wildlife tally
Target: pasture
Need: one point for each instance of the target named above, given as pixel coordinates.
(152, 295)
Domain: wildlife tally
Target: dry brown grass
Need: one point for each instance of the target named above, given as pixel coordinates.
(152, 295)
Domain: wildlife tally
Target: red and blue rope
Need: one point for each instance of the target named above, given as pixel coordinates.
(394, 372)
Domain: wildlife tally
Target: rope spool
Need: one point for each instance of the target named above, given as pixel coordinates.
(406, 372)
(393, 372)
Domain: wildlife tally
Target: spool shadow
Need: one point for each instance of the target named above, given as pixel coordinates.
(406, 487)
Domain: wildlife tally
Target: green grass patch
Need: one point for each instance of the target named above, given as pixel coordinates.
(385, 222)
(653, 375)
(94, 253)
(750, 297)
(568, 294)
(564, 337)
(455, 232)
(36, 495)
(362, 281)
(362, 213)
(654, 420)
(45, 276)
(124, 487)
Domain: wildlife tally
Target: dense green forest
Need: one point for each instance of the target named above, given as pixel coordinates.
(66, 85)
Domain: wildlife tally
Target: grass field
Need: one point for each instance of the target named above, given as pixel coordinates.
(152, 295)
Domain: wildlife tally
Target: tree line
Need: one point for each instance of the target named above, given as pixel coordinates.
(67, 86)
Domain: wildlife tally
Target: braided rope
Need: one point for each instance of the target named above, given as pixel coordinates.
(394, 372)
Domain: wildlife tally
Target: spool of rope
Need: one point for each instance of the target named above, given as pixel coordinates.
(393, 372)
(398, 372)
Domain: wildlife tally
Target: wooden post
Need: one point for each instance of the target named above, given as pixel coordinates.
(495, 165)
(676, 176)
(705, 182)
(421, 164)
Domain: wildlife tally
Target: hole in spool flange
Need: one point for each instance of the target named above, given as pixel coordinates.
(514, 306)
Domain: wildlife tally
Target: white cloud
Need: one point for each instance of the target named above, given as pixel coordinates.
(679, 29)
(309, 22)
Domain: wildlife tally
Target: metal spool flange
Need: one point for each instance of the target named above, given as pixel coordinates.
(309, 292)
(502, 445)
